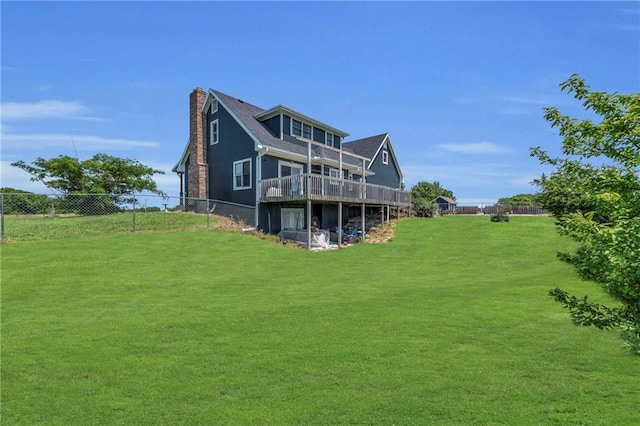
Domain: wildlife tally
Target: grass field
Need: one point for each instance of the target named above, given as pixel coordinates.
(448, 324)
(36, 227)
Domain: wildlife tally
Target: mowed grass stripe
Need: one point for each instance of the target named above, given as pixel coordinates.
(448, 324)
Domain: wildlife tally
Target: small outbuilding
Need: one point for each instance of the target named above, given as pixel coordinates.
(446, 204)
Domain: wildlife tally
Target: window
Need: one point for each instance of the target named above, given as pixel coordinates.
(385, 157)
(213, 132)
(295, 171)
(298, 128)
(333, 173)
(329, 139)
(214, 106)
(292, 218)
(242, 174)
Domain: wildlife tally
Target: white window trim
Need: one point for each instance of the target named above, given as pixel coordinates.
(214, 106)
(328, 141)
(289, 164)
(302, 128)
(211, 132)
(333, 174)
(291, 127)
(238, 188)
(385, 157)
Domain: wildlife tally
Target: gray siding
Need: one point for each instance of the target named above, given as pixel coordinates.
(234, 144)
(273, 124)
(269, 167)
(385, 174)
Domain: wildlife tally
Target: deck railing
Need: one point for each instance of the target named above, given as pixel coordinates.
(326, 188)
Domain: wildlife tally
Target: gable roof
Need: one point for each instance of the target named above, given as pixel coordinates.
(246, 115)
(249, 117)
(366, 147)
(446, 199)
(371, 146)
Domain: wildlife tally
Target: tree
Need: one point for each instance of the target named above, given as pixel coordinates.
(519, 200)
(424, 194)
(17, 201)
(595, 194)
(116, 179)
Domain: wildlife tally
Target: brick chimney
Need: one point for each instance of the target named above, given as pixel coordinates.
(197, 173)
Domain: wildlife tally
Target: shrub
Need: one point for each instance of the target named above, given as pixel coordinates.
(500, 217)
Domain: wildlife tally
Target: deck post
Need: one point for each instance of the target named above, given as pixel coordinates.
(340, 202)
(309, 223)
(364, 180)
(363, 220)
(308, 192)
(339, 224)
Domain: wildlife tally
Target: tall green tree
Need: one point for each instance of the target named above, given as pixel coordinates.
(100, 174)
(519, 200)
(423, 195)
(594, 192)
(115, 179)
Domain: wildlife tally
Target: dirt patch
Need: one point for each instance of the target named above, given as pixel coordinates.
(377, 234)
(227, 224)
(381, 233)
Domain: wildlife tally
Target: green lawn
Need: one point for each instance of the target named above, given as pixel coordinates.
(36, 227)
(448, 324)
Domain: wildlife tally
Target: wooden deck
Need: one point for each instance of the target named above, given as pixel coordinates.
(329, 189)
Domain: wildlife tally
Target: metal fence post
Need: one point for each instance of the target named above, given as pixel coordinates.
(2, 216)
(208, 218)
(133, 192)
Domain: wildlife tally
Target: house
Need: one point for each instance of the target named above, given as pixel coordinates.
(279, 169)
(446, 204)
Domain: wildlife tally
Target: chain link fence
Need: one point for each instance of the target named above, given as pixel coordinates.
(28, 216)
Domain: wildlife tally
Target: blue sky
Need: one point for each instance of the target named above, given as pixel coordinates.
(460, 86)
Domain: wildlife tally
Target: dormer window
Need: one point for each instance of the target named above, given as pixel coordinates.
(328, 139)
(298, 128)
(385, 157)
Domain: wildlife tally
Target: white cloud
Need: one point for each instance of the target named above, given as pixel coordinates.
(38, 141)
(13, 177)
(474, 182)
(44, 109)
(43, 88)
(474, 148)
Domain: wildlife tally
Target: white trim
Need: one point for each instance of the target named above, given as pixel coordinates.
(280, 109)
(180, 166)
(332, 148)
(237, 188)
(385, 156)
(214, 103)
(335, 174)
(302, 128)
(211, 94)
(326, 138)
(389, 146)
(291, 164)
(212, 133)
